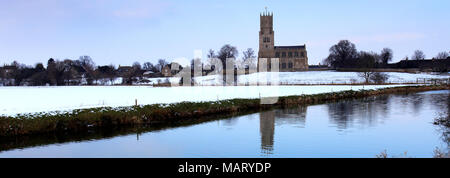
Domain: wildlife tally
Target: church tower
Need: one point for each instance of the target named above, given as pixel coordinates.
(290, 58)
(266, 36)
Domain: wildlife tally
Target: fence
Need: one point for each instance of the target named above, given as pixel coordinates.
(434, 81)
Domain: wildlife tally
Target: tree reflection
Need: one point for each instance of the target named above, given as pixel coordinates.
(444, 122)
(417, 102)
(365, 112)
(291, 116)
(341, 113)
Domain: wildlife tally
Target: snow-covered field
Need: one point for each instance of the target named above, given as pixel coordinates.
(309, 77)
(21, 100)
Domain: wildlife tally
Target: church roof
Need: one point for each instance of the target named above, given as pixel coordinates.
(291, 47)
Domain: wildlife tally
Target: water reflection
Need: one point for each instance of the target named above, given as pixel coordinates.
(443, 103)
(268, 119)
(291, 116)
(348, 128)
(365, 112)
(267, 131)
(355, 113)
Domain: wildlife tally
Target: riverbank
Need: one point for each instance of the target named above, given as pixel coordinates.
(25, 100)
(81, 120)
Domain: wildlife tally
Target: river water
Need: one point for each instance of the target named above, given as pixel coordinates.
(400, 124)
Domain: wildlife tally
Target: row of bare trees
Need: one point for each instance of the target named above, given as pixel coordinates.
(84, 71)
(420, 55)
(66, 72)
(229, 51)
(345, 55)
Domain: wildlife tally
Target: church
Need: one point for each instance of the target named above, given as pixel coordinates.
(292, 58)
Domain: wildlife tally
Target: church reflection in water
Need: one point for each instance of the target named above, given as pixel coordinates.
(353, 113)
(268, 119)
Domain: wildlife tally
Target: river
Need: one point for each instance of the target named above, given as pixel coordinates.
(400, 124)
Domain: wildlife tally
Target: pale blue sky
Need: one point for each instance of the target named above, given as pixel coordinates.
(121, 32)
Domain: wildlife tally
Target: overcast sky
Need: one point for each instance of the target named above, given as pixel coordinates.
(121, 32)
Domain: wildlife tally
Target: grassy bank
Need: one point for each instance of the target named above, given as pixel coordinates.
(99, 133)
(80, 121)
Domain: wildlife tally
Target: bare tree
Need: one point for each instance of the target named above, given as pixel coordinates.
(211, 54)
(227, 52)
(248, 54)
(211, 58)
(68, 72)
(342, 54)
(249, 58)
(89, 67)
(366, 63)
(137, 66)
(442, 55)
(366, 75)
(379, 77)
(112, 74)
(418, 55)
(148, 66)
(161, 64)
(386, 55)
(367, 60)
(51, 71)
(130, 76)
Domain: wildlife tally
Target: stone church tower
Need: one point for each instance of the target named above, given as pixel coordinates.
(266, 36)
(292, 58)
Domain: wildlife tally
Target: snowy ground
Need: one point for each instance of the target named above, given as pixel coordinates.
(310, 77)
(21, 100)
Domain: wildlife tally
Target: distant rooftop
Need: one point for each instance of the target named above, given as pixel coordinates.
(290, 47)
